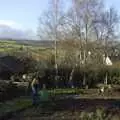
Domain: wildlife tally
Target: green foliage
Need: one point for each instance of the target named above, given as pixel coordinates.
(99, 114)
(116, 80)
(66, 91)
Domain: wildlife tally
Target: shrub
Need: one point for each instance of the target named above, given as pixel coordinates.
(94, 75)
(101, 114)
(10, 91)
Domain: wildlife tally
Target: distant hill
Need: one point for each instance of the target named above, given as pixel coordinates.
(41, 43)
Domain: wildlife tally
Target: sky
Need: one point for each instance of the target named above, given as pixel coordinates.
(24, 14)
(21, 13)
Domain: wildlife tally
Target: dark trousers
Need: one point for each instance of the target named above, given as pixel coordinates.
(35, 99)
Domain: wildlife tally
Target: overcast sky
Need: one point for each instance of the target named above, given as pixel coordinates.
(24, 14)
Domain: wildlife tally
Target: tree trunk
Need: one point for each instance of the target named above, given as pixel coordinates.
(106, 79)
(84, 80)
(71, 78)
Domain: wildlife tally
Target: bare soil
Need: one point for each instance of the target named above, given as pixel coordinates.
(69, 109)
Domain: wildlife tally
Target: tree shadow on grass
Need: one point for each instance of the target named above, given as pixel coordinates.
(70, 108)
(79, 104)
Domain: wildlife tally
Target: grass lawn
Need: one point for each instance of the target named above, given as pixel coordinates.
(14, 105)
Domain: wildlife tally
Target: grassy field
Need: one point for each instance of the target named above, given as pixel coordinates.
(38, 52)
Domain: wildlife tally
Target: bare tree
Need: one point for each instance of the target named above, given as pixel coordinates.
(110, 20)
(55, 6)
(49, 23)
(86, 12)
(84, 22)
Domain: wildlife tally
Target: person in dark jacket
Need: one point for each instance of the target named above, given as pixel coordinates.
(35, 89)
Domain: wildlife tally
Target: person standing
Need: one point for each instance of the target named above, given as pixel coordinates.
(35, 89)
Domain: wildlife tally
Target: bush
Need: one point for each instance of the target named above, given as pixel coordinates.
(94, 75)
(10, 91)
